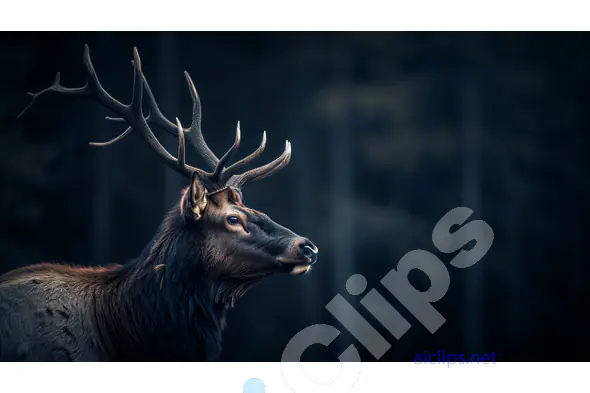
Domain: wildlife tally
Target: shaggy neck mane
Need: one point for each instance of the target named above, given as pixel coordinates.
(164, 305)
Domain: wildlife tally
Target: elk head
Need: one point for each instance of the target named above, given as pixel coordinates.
(236, 242)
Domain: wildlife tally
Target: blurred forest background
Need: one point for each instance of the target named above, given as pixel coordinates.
(389, 132)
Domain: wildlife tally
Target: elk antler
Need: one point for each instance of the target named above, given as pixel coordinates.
(132, 114)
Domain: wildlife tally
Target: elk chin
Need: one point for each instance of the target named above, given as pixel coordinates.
(298, 270)
(294, 267)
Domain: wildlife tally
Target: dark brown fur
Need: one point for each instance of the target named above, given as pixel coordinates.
(167, 304)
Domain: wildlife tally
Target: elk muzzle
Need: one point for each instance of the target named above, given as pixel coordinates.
(299, 256)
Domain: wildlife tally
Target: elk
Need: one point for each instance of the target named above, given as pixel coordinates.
(169, 303)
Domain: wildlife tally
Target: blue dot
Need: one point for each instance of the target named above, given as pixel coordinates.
(254, 385)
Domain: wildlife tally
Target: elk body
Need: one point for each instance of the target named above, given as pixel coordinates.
(170, 302)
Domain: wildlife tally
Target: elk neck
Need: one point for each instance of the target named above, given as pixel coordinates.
(164, 304)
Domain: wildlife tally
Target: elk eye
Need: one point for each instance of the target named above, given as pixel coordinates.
(233, 220)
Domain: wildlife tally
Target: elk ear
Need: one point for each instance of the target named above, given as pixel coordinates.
(196, 198)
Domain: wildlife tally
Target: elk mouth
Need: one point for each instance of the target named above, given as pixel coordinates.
(295, 267)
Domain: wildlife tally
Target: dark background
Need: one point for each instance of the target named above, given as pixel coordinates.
(389, 132)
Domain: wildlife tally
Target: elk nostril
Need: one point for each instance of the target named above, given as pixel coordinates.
(309, 253)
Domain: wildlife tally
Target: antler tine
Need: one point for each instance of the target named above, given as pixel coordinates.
(181, 146)
(137, 121)
(244, 161)
(57, 88)
(92, 88)
(196, 134)
(263, 171)
(137, 98)
(114, 140)
(95, 89)
(219, 169)
(155, 112)
(193, 133)
(155, 116)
